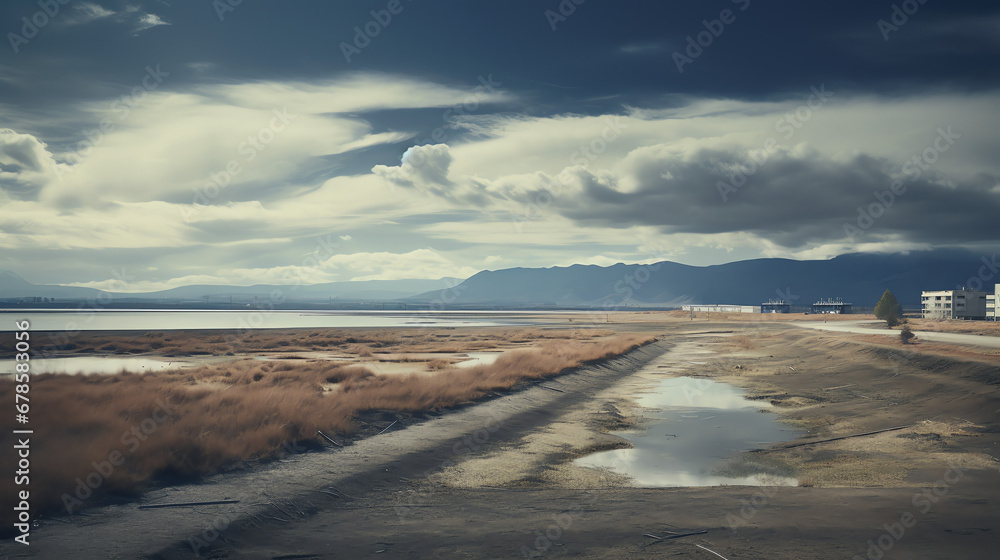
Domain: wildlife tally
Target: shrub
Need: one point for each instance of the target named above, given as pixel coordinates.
(906, 334)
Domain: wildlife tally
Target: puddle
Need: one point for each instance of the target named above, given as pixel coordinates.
(696, 433)
(305, 357)
(478, 359)
(96, 365)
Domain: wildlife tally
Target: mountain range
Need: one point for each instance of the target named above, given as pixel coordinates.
(859, 278)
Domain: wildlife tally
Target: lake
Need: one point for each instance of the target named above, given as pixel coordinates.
(145, 320)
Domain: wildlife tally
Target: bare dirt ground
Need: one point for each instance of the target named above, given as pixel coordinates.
(944, 349)
(985, 328)
(496, 479)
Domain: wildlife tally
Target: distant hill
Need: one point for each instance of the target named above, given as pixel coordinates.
(857, 278)
(368, 289)
(13, 286)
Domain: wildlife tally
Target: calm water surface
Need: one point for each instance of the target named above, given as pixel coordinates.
(99, 364)
(695, 435)
(173, 320)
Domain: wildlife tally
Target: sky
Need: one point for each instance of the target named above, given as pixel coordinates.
(149, 144)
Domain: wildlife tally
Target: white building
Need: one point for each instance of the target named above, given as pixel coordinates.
(954, 304)
(991, 303)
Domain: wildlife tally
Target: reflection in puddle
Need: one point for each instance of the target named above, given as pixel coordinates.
(695, 435)
(96, 365)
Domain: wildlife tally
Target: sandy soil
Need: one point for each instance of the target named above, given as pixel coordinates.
(495, 480)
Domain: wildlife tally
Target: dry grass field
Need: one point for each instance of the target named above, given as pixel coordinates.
(216, 416)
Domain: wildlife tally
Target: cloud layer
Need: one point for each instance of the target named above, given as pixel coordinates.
(181, 146)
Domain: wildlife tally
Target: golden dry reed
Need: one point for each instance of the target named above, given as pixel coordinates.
(123, 432)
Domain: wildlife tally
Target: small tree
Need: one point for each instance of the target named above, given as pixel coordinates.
(906, 334)
(888, 309)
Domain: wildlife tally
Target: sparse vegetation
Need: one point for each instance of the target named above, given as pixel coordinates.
(906, 334)
(438, 364)
(199, 421)
(193, 342)
(744, 341)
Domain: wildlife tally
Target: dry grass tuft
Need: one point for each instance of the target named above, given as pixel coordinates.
(745, 342)
(435, 365)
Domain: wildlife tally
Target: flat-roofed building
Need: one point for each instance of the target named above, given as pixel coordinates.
(774, 306)
(722, 308)
(953, 304)
(835, 306)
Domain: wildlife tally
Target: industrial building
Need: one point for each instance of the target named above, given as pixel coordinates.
(722, 308)
(774, 306)
(955, 304)
(832, 305)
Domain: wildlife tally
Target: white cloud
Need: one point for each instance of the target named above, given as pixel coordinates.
(152, 154)
(503, 197)
(417, 264)
(424, 167)
(132, 16)
(87, 12)
(350, 94)
(25, 164)
(420, 263)
(116, 226)
(147, 21)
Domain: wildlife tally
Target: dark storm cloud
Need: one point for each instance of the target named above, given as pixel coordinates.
(768, 48)
(792, 199)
